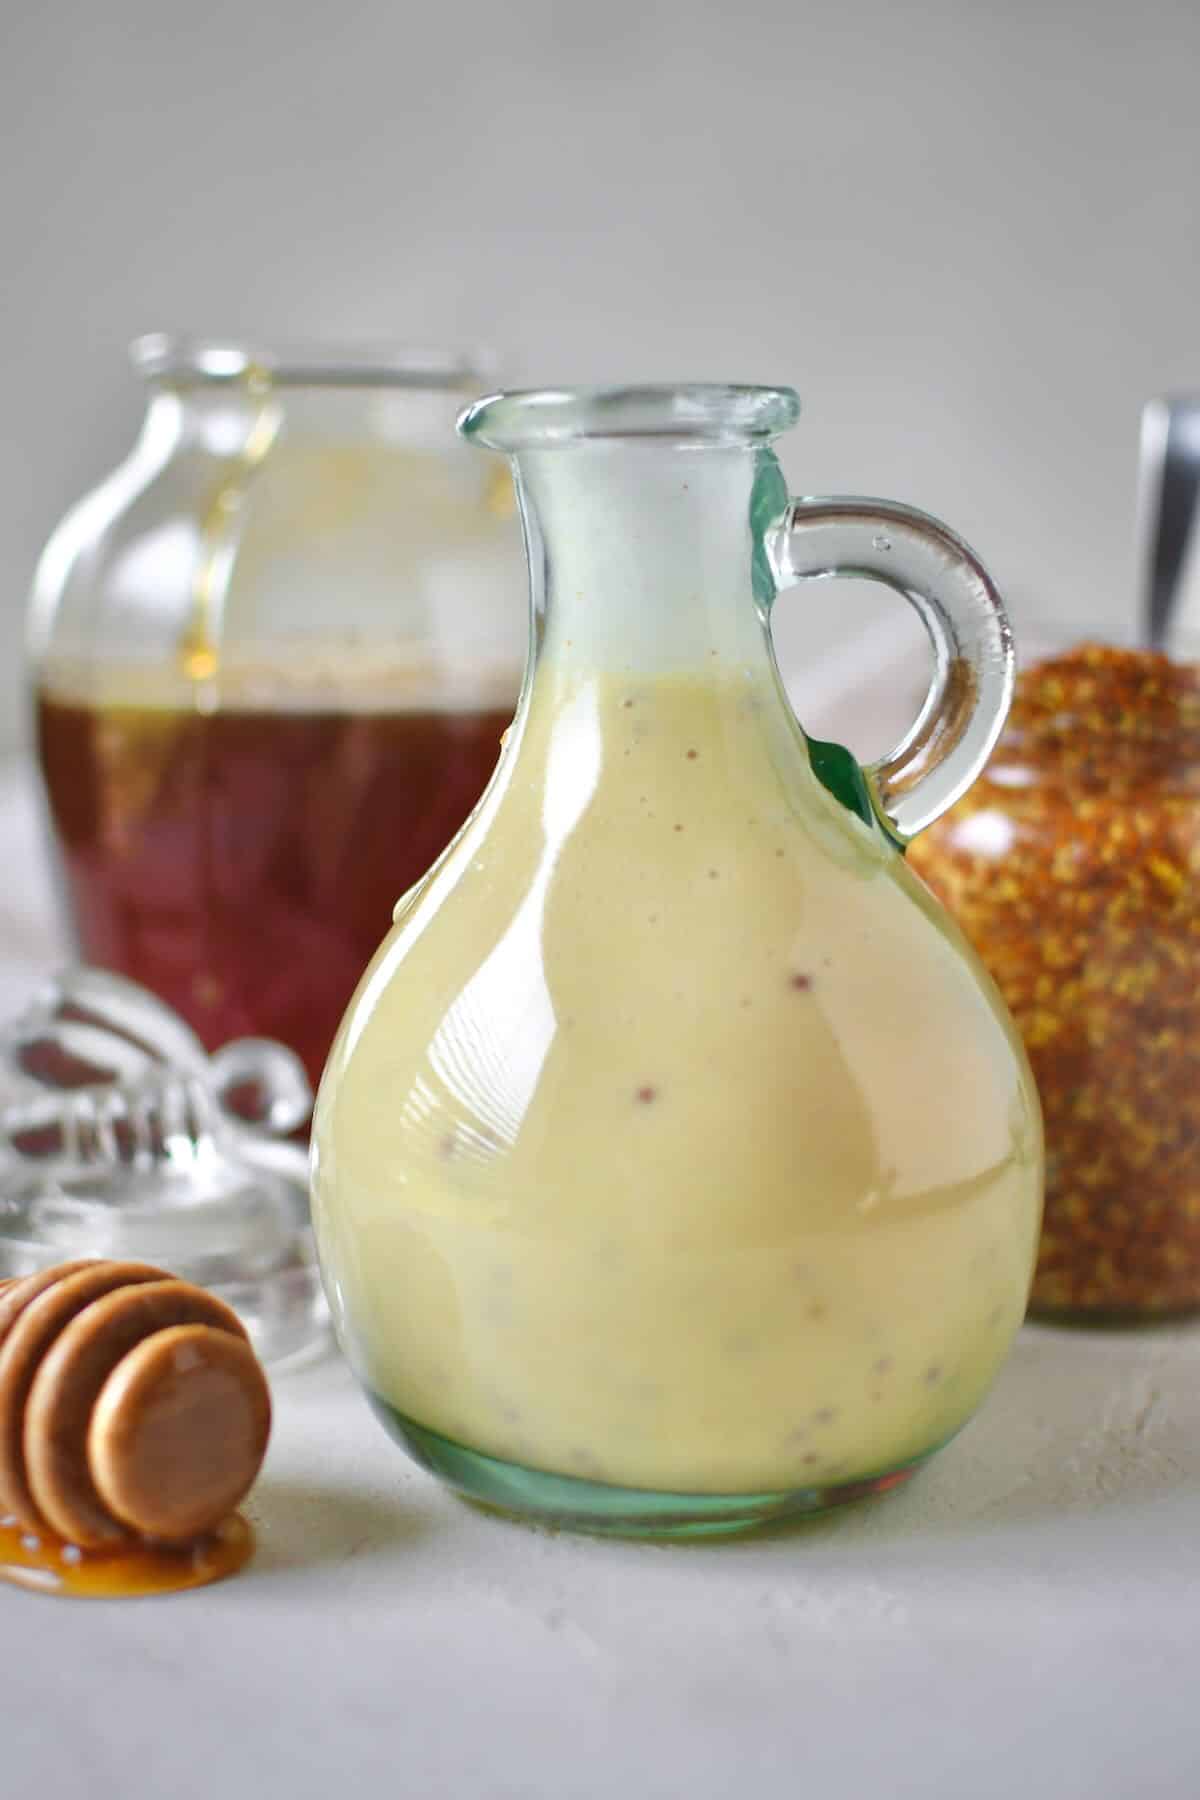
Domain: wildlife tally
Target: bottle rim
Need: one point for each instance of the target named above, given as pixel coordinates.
(181, 361)
(710, 414)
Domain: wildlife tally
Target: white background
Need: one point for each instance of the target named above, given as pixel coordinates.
(967, 233)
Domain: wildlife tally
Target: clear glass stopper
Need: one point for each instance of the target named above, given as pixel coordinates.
(121, 1137)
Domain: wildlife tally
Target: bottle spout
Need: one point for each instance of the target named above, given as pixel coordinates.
(694, 413)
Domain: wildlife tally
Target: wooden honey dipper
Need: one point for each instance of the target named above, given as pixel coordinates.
(131, 1406)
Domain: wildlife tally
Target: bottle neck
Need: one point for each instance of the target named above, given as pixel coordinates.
(237, 418)
(643, 557)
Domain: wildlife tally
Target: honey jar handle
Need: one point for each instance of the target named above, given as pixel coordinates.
(955, 599)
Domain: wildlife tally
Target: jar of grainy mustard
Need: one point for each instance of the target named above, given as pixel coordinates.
(1073, 865)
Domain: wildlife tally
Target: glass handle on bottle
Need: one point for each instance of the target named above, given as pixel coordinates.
(953, 595)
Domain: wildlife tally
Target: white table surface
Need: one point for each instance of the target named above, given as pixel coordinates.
(1022, 1620)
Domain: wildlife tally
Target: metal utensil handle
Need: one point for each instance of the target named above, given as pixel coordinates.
(1169, 483)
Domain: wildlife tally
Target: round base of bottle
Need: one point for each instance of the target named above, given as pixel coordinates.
(573, 1504)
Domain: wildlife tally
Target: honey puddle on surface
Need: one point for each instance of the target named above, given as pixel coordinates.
(47, 1565)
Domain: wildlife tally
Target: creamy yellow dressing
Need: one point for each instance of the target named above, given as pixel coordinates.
(675, 1139)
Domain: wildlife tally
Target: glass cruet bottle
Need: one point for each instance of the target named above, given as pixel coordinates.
(299, 593)
(677, 1165)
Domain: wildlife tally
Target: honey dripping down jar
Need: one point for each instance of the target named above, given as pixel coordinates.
(1073, 866)
(272, 660)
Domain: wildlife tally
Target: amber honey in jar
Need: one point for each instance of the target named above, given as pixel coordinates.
(1073, 864)
(272, 661)
(242, 862)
